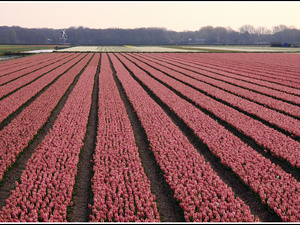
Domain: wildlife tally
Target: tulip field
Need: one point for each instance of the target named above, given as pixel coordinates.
(174, 137)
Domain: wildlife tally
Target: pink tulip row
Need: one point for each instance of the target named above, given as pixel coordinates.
(15, 136)
(271, 63)
(272, 68)
(224, 76)
(11, 103)
(7, 64)
(44, 68)
(17, 74)
(120, 186)
(46, 184)
(19, 61)
(279, 144)
(244, 93)
(283, 121)
(202, 194)
(245, 73)
(11, 67)
(275, 187)
(277, 81)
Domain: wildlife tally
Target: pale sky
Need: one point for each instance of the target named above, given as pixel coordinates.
(172, 15)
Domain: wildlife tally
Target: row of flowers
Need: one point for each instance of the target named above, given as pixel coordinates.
(120, 186)
(273, 65)
(46, 184)
(278, 143)
(11, 103)
(12, 66)
(16, 135)
(277, 188)
(261, 99)
(217, 74)
(281, 66)
(278, 119)
(202, 194)
(29, 75)
(275, 79)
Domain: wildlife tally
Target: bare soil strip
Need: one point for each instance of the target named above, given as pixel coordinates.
(265, 122)
(14, 173)
(26, 67)
(168, 207)
(241, 190)
(285, 165)
(228, 82)
(82, 192)
(283, 112)
(13, 91)
(22, 107)
(221, 69)
(33, 71)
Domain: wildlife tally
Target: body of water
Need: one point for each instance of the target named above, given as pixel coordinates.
(39, 51)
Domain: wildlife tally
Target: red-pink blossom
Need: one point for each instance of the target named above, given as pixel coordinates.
(59, 181)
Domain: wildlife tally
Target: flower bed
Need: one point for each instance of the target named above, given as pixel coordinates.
(120, 186)
(275, 187)
(17, 99)
(202, 194)
(46, 184)
(23, 78)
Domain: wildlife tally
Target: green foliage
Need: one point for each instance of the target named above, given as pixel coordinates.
(21, 48)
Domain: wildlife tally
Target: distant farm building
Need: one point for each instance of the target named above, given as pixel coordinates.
(275, 44)
(279, 44)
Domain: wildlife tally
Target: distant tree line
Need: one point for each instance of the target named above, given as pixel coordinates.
(246, 34)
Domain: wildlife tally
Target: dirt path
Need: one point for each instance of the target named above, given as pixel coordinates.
(13, 174)
(238, 187)
(82, 193)
(168, 207)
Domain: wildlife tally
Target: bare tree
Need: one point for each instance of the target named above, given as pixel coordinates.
(247, 28)
(279, 28)
(262, 30)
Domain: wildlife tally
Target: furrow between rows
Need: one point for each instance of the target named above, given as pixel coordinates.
(185, 170)
(20, 138)
(16, 84)
(276, 188)
(218, 75)
(262, 77)
(14, 101)
(46, 184)
(26, 67)
(263, 100)
(277, 143)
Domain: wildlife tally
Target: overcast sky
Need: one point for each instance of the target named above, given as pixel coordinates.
(176, 16)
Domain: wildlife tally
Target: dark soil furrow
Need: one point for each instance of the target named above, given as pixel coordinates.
(196, 64)
(13, 174)
(24, 68)
(7, 120)
(168, 207)
(82, 193)
(226, 174)
(283, 112)
(220, 69)
(285, 165)
(246, 88)
(253, 116)
(34, 70)
(4, 96)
